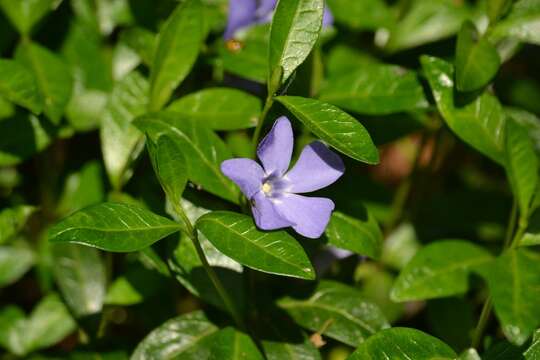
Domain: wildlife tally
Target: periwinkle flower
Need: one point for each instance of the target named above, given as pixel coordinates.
(273, 191)
(244, 13)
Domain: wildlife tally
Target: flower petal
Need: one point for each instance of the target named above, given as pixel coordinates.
(328, 18)
(265, 214)
(245, 173)
(264, 11)
(241, 14)
(275, 149)
(316, 168)
(309, 215)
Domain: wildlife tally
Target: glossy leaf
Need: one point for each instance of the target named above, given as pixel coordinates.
(220, 108)
(521, 23)
(185, 337)
(477, 61)
(295, 29)
(338, 309)
(15, 261)
(52, 75)
(12, 220)
(425, 22)
(169, 165)
(274, 252)
(337, 128)
(480, 123)
(375, 89)
(24, 14)
(403, 343)
(363, 236)
(514, 285)
(18, 84)
(440, 269)
(121, 142)
(231, 344)
(533, 351)
(361, 15)
(521, 165)
(284, 349)
(48, 323)
(203, 150)
(113, 227)
(176, 51)
(81, 189)
(142, 41)
(80, 275)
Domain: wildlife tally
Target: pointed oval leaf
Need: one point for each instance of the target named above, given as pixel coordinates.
(12, 220)
(80, 274)
(177, 48)
(438, 270)
(169, 165)
(120, 140)
(480, 123)
(15, 261)
(477, 61)
(220, 108)
(52, 75)
(295, 29)
(514, 284)
(342, 311)
(24, 14)
(231, 344)
(521, 23)
(403, 343)
(521, 165)
(113, 227)
(274, 252)
(375, 89)
(363, 236)
(336, 127)
(185, 337)
(18, 84)
(202, 149)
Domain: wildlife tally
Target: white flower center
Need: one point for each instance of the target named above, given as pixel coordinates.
(267, 188)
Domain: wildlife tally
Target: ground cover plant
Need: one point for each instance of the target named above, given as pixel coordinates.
(261, 179)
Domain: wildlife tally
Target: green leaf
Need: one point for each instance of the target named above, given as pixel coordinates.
(295, 29)
(400, 246)
(12, 220)
(142, 41)
(469, 354)
(136, 285)
(343, 59)
(438, 270)
(236, 236)
(375, 89)
(121, 142)
(426, 22)
(178, 45)
(521, 23)
(480, 123)
(290, 349)
(337, 128)
(521, 165)
(81, 189)
(477, 61)
(533, 351)
(22, 136)
(15, 261)
(203, 150)
(113, 227)
(48, 323)
(24, 14)
(403, 343)
(514, 284)
(80, 274)
(339, 311)
(185, 337)
(247, 57)
(220, 108)
(18, 84)
(231, 344)
(52, 75)
(361, 15)
(169, 165)
(363, 236)
(497, 9)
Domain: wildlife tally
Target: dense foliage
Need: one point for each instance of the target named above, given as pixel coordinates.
(123, 236)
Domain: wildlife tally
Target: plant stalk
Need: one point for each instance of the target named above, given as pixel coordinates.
(255, 139)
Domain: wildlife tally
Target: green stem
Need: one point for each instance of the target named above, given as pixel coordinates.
(255, 139)
(482, 323)
(511, 224)
(193, 235)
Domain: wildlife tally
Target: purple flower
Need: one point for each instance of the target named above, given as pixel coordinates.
(244, 13)
(273, 191)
